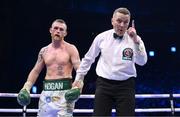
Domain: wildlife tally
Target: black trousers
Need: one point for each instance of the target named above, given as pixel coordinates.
(117, 94)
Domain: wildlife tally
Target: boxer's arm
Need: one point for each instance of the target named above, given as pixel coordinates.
(33, 75)
(23, 97)
(75, 59)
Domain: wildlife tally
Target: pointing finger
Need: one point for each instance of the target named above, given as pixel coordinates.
(133, 25)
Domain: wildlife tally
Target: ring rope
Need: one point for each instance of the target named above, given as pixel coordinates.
(90, 110)
(91, 97)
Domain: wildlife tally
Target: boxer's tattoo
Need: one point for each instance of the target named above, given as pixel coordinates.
(41, 53)
(60, 70)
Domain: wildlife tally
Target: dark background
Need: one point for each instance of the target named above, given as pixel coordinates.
(24, 30)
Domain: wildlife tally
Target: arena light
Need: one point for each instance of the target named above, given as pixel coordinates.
(151, 53)
(34, 89)
(173, 49)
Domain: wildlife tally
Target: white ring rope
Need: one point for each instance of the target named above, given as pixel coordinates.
(90, 110)
(91, 97)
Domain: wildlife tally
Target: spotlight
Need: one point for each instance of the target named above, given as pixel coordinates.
(151, 53)
(173, 49)
(34, 89)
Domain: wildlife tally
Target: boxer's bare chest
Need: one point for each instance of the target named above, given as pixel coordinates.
(56, 56)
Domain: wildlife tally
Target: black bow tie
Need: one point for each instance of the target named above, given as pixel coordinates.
(117, 36)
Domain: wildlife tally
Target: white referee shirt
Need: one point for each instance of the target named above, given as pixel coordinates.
(117, 57)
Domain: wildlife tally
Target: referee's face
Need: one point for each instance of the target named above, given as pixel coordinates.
(120, 23)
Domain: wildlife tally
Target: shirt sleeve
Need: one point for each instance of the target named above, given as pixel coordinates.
(140, 54)
(88, 59)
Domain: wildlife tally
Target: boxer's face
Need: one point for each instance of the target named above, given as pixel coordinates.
(58, 31)
(120, 23)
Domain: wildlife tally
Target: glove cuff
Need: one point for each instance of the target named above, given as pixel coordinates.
(80, 82)
(28, 85)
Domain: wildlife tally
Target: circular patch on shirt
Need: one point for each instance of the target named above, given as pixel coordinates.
(127, 54)
(48, 99)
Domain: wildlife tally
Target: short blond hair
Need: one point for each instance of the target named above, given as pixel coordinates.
(122, 10)
(60, 21)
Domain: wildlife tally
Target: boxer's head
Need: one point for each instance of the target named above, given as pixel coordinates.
(58, 29)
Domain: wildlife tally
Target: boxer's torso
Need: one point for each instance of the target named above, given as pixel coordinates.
(58, 62)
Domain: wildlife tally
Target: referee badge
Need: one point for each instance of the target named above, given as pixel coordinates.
(127, 54)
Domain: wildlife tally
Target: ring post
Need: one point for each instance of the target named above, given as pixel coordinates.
(172, 104)
(24, 111)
